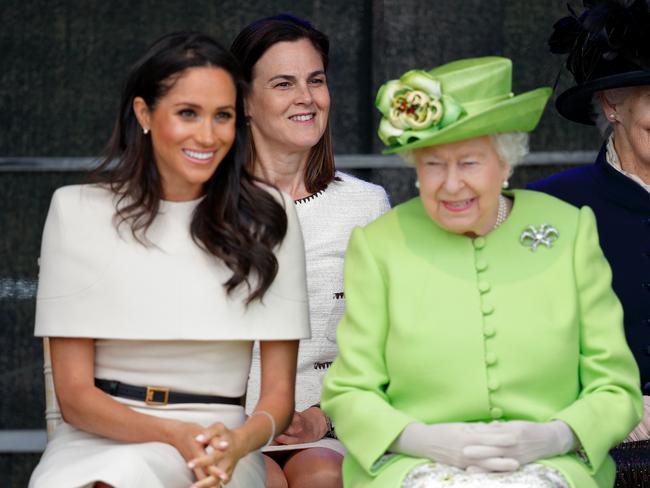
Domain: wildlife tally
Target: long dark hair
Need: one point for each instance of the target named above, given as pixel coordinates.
(250, 45)
(237, 221)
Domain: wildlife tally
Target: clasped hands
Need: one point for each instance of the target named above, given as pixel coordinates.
(485, 447)
(210, 452)
(213, 452)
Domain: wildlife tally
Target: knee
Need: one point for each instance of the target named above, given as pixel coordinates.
(315, 470)
(324, 476)
(274, 475)
(276, 480)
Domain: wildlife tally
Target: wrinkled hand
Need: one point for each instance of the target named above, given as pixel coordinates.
(533, 440)
(222, 451)
(447, 443)
(642, 431)
(306, 426)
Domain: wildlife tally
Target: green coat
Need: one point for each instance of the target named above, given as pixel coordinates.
(443, 328)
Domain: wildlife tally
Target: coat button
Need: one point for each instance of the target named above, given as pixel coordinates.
(483, 286)
(479, 243)
(489, 331)
(491, 358)
(481, 264)
(493, 385)
(496, 412)
(487, 308)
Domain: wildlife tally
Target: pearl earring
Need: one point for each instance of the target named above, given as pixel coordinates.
(612, 116)
(145, 130)
(505, 184)
(417, 184)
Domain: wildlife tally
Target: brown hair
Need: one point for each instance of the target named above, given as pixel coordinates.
(237, 221)
(250, 45)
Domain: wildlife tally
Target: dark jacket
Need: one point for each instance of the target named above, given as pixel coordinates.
(622, 209)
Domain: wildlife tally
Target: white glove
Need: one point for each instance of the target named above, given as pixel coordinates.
(447, 444)
(533, 440)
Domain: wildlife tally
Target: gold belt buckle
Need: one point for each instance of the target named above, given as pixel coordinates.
(150, 398)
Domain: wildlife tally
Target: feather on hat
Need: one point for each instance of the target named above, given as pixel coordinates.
(608, 46)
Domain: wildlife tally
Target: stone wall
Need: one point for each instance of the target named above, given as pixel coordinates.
(63, 61)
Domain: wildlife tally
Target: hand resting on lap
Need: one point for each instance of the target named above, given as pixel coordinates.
(480, 447)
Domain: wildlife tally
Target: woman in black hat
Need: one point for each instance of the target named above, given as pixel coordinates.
(608, 47)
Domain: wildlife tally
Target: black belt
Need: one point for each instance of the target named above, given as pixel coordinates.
(157, 395)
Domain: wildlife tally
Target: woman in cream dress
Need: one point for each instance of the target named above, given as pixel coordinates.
(154, 285)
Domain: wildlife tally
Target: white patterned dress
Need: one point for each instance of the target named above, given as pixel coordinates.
(326, 219)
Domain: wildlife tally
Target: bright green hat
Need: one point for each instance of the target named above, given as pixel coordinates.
(458, 100)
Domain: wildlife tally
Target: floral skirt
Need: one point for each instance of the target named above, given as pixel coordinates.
(437, 475)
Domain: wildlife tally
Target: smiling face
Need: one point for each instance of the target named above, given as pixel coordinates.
(460, 183)
(288, 104)
(632, 131)
(192, 128)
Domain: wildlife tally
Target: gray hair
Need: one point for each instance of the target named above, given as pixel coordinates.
(408, 157)
(613, 95)
(511, 148)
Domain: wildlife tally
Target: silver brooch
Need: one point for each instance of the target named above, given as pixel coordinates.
(532, 237)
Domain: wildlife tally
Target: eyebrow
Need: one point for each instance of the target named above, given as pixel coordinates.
(467, 155)
(194, 105)
(471, 154)
(293, 78)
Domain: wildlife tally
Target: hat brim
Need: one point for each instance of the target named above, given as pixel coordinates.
(520, 113)
(575, 103)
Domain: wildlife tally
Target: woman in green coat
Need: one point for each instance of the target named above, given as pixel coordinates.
(482, 344)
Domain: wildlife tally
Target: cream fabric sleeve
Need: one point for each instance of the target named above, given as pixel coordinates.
(94, 282)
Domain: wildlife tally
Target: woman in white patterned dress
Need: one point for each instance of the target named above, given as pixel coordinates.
(284, 61)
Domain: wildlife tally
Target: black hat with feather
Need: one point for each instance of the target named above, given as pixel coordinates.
(608, 46)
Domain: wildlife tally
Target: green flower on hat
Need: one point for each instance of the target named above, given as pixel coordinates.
(413, 107)
(455, 101)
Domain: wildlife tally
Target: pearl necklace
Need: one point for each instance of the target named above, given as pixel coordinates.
(502, 212)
